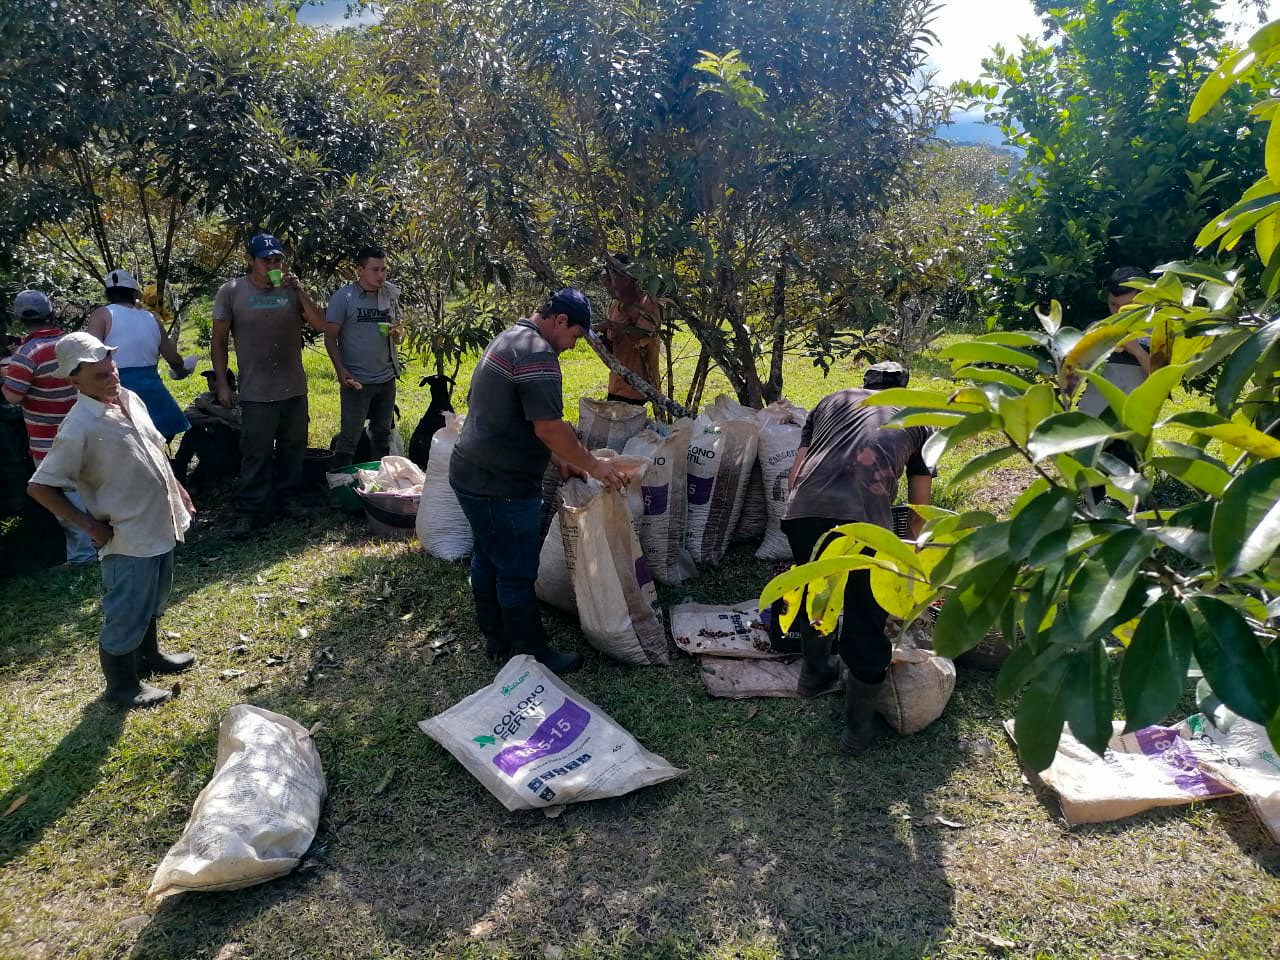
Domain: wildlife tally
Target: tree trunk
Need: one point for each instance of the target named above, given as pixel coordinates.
(773, 388)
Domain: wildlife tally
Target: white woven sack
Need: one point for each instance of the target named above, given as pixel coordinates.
(258, 813)
(555, 568)
(442, 526)
(917, 689)
(609, 423)
(781, 426)
(665, 488)
(721, 456)
(535, 742)
(617, 602)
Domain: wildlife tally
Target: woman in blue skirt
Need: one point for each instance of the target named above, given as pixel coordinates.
(140, 340)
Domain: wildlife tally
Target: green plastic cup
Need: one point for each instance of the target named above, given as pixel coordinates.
(384, 329)
(275, 276)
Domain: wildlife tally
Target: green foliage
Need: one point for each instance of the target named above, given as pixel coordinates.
(1114, 174)
(1065, 573)
(731, 153)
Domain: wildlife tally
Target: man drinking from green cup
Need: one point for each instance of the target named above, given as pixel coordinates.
(265, 312)
(362, 329)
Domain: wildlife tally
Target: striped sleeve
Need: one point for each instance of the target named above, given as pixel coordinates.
(538, 383)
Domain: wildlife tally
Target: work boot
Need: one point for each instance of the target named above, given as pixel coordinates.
(123, 685)
(151, 660)
(489, 619)
(819, 669)
(244, 526)
(522, 626)
(860, 701)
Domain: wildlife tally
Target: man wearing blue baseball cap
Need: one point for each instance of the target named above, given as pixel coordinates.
(514, 425)
(265, 312)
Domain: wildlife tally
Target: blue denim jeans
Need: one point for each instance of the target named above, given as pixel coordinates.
(134, 590)
(504, 560)
(80, 549)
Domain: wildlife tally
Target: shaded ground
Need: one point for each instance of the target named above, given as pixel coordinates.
(770, 846)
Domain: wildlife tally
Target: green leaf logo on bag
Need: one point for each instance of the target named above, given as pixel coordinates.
(485, 741)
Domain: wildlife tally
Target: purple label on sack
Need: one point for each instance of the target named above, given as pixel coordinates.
(700, 489)
(553, 735)
(1173, 753)
(655, 500)
(643, 575)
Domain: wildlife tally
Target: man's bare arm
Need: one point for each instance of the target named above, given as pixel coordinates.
(564, 443)
(56, 502)
(796, 464)
(919, 490)
(218, 354)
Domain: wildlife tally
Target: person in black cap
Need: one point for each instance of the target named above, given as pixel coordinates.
(514, 424)
(846, 470)
(265, 312)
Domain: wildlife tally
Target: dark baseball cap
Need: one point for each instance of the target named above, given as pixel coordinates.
(573, 304)
(265, 245)
(885, 374)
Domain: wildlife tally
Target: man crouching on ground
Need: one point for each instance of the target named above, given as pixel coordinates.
(135, 513)
(515, 423)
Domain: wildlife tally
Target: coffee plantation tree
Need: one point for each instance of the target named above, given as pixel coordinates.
(1185, 591)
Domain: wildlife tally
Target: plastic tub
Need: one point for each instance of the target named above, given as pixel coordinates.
(346, 497)
(392, 516)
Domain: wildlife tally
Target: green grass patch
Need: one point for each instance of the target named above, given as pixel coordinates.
(772, 845)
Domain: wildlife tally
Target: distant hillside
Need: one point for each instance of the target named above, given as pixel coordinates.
(964, 131)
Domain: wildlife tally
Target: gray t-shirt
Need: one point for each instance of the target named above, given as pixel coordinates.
(516, 382)
(266, 325)
(851, 470)
(367, 353)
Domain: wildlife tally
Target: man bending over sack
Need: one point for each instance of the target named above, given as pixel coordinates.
(846, 470)
(514, 424)
(135, 513)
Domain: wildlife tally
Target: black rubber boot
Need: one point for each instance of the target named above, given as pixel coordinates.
(151, 660)
(522, 627)
(859, 715)
(123, 685)
(819, 668)
(489, 619)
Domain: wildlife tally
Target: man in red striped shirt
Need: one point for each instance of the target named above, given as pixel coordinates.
(30, 383)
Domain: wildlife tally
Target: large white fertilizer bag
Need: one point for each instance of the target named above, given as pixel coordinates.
(609, 423)
(781, 425)
(665, 488)
(917, 689)
(721, 455)
(617, 602)
(555, 569)
(442, 526)
(754, 516)
(535, 742)
(258, 813)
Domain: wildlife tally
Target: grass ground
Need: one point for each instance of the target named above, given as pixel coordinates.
(771, 845)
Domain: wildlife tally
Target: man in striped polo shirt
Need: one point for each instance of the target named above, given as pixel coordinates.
(31, 383)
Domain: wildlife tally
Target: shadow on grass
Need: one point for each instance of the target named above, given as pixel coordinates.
(60, 780)
(62, 607)
(770, 842)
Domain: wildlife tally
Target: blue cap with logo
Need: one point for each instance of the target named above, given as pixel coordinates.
(265, 245)
(574, 305)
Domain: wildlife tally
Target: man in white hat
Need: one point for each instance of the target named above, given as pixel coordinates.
(135, 513)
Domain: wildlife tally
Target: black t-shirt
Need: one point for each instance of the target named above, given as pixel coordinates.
(516, 382)
(851, 470)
